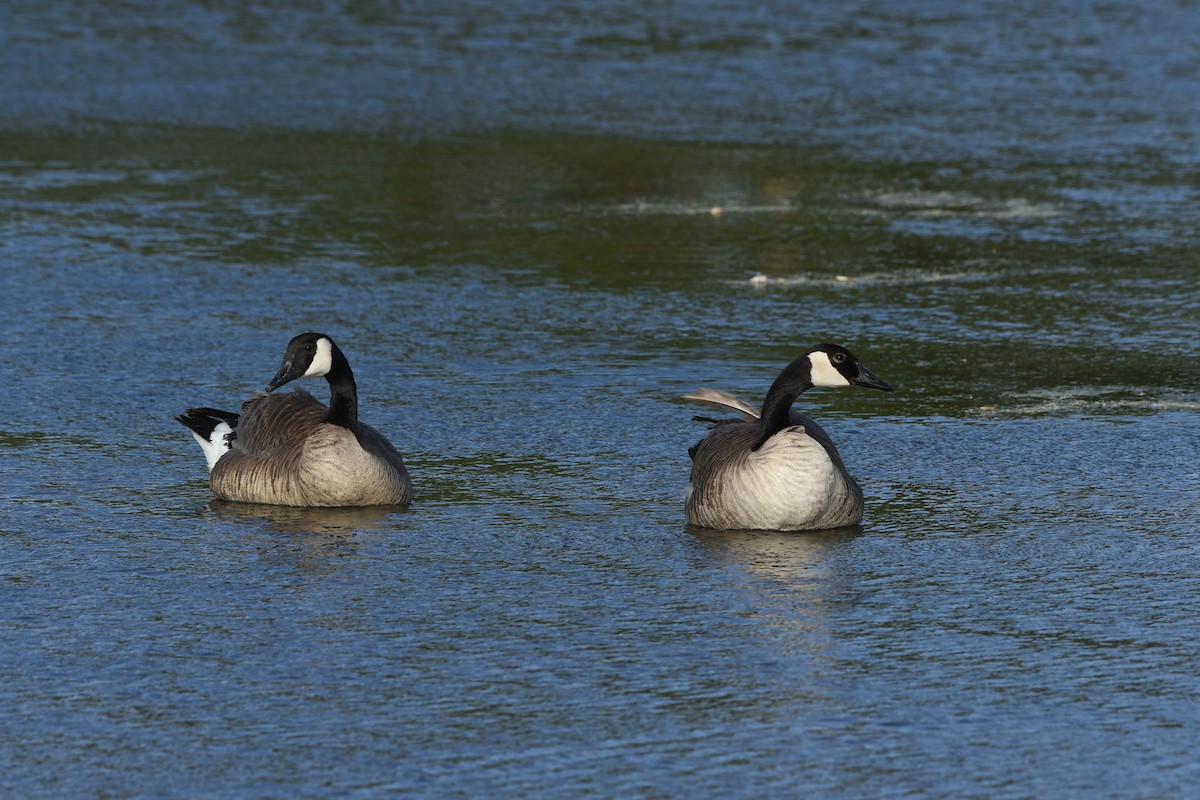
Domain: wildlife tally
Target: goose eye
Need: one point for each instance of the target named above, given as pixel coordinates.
(838, 358)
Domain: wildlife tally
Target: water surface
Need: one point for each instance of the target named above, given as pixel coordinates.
(531, 231)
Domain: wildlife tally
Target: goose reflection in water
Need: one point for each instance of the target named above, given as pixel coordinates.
(784, 557)
(314, 539)
(789, 579)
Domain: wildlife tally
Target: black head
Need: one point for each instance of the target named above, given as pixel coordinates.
(834, 365)
(307, 355)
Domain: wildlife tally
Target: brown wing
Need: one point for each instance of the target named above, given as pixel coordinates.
(276, 425)
(262, 465)
(728, 442)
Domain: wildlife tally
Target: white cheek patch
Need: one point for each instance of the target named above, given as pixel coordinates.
(823, 372)
(322, 362)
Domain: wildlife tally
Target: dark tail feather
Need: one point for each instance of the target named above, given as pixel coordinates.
(204, 420)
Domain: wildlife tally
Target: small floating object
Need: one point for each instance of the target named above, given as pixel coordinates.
(716, 211)
(760, 279)
(842, 278)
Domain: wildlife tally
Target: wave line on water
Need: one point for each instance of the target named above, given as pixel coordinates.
(950, 204)
(900, 277)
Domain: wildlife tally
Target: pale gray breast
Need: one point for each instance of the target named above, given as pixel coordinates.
(796, 480)
(359, 467)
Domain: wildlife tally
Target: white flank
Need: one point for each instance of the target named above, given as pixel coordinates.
(215, 447)
(323, 361)
(823, 372)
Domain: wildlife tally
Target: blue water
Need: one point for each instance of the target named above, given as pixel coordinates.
(531, 229)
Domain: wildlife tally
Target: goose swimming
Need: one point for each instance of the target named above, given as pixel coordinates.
(777, 470)
(291, 449)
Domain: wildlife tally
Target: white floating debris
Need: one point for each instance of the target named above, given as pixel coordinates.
(760, 279)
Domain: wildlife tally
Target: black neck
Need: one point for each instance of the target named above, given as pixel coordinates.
(777, 408)
(343, 394)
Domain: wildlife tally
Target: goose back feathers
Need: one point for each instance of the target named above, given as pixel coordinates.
(291, 449)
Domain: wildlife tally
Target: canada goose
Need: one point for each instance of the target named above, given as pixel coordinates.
(289, 449)
(777, 470)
